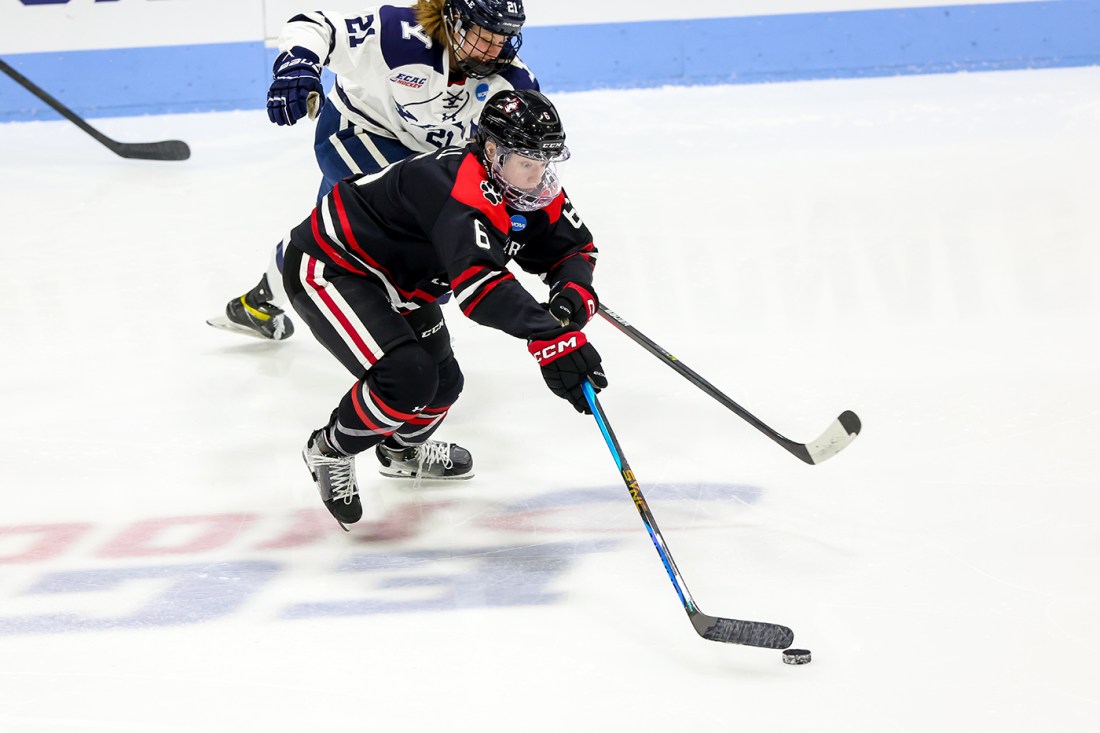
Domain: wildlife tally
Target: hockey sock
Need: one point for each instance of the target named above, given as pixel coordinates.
(394, 392)
(418, 428)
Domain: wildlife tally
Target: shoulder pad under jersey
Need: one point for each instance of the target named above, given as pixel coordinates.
(519, 76)
(404, 42)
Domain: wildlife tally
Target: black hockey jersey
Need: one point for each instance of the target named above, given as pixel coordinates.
(435, 223)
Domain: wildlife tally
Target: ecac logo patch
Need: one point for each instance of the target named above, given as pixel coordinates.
(408, 80)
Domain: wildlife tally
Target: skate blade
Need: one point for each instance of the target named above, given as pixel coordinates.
(223, 323)
(413, 477)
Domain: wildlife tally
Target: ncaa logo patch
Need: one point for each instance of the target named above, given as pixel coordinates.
(481, 92)
(519, 223)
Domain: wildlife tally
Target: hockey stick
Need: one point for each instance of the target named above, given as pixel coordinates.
(712, 628)
(836, 437)
(164, 150)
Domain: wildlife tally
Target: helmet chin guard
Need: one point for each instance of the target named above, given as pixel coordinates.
(525, 199)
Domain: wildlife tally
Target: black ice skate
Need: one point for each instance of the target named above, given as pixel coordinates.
(254, 315)
(433, 459)
(334, 475)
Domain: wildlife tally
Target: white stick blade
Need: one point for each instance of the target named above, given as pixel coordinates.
(836, 438)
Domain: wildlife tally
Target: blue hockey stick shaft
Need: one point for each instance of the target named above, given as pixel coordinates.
(732, 631)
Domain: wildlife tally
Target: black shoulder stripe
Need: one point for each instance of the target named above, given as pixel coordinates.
(332, 39)
(301, 18)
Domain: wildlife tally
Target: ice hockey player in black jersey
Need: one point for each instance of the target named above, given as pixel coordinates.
(408, 80)
(378, 248)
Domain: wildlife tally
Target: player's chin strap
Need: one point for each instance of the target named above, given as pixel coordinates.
(836, 437)
(712, 628)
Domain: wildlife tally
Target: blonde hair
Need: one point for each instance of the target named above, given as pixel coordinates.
(429, 14)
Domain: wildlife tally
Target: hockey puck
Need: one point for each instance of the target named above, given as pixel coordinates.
(796, 656)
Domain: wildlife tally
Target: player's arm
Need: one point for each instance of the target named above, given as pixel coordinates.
(491, 296)
(305, 45)
(308, 42)
(561, 251)
(314, 32)
(472, 247)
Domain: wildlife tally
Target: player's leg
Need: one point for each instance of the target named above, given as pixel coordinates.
(409, 452)
(395, 377)
(343, 150)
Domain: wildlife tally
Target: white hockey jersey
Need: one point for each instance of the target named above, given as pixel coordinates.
(392, 79)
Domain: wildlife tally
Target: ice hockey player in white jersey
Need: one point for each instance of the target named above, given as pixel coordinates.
(408, 80)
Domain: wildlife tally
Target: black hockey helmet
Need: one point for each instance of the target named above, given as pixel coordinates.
(523, 123)
(467, 20)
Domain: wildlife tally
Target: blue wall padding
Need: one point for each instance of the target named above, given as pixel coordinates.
(754, 49)
(817, 45)
(135, 81)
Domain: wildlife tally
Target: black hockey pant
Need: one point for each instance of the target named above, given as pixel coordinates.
(407, 375)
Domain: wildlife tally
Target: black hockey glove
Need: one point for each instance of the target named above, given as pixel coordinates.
(573, 305)
(296, 91)
(567, 359)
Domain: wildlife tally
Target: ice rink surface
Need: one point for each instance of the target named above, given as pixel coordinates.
(921, 250)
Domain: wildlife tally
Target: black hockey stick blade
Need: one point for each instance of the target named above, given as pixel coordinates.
(711, 628)
(163, 150)
(748, 633)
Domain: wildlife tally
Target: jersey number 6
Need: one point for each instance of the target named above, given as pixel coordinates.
(571, 215)
(480, 235)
